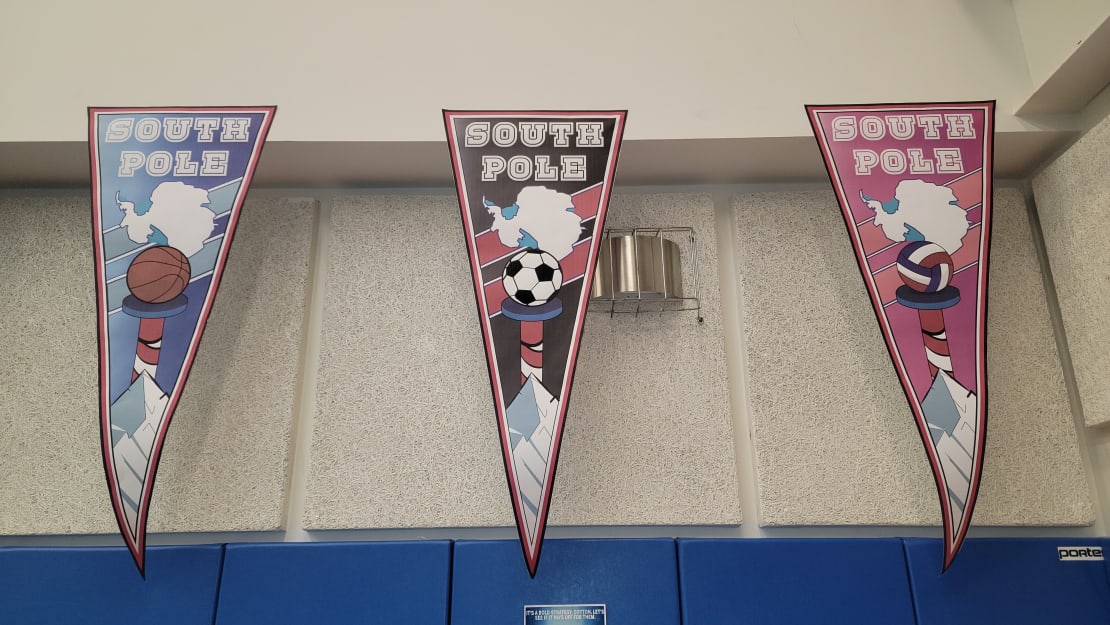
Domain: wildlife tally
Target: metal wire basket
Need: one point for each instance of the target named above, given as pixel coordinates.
(639, 271)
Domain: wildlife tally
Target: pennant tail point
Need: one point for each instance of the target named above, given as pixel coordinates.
(138, 554)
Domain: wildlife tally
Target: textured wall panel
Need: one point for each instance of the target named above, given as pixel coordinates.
(53, 480)
(651, 393)
(227, 454)
(835, 441)
(225, 457)
(405, 433)
(1073, 196)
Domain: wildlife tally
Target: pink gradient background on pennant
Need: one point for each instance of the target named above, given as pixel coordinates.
(960, 320)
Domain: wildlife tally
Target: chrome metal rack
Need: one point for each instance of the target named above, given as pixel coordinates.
(654, 282)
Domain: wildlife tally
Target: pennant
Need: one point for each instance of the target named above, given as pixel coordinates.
(533, 188)
(167, 187)
(914, 185)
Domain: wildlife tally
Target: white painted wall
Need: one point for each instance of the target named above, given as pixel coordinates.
(382, 71)
(1052, 30)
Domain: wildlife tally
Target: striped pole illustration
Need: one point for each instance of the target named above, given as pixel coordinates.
(531, 350)
(156, 279)
(148, 347)
(926, 270)
(531, 320)
(936, 341)
(531, 279)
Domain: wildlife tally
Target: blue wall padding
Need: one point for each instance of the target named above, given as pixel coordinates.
(101, 586)
(636, 580)
(793, 581)
(1011, 581)
(1105, 542)
(336, 583)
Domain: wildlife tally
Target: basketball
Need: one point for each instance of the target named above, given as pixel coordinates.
(925, 267)
(158, 274)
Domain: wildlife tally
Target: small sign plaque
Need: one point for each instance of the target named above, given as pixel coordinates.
(564, 614)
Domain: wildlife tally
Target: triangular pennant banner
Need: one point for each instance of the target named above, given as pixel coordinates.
(914, 185)
(533, 188)
(167, 187)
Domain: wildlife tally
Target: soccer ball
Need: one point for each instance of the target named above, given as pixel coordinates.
(532, 277)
